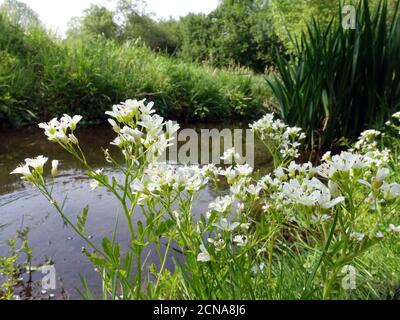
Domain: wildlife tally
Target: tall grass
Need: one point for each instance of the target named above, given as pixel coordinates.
(42, 77)
(342, 81)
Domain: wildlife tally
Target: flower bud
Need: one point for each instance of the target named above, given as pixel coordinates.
(54, 167)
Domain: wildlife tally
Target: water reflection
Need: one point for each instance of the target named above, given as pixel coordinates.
(22, 206)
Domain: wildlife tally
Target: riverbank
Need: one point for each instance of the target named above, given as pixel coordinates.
(44, 77)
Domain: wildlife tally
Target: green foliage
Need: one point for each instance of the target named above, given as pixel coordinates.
(128, 22)
(43, 77)
(290, 18)
(12, 266)
(342, 81)
(236, 33)
(98, 21)
(20, 14)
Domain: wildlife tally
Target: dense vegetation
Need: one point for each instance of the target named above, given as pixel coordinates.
(303, 231)
(297, 232)
(342, 81)
(43, 77)
(208, 66)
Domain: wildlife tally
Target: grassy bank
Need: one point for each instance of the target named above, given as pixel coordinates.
(41, 77)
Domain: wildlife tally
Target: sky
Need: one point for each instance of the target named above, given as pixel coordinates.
(55, 14)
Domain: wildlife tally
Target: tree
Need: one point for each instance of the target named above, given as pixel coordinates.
(137, 23)
(289, 18)
(238, 32)
(20, 14)
(97, 21)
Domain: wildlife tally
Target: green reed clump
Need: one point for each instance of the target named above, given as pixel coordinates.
(342, 81)
(43, 76)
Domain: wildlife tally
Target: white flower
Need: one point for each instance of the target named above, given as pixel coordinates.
(229, 173)
(218, 244)
(114, 125)
(37, 163)
(334, 188)
(280, 173)
(240, 206)
(23, 170)
(73, 139)
(137, 186)
(240, 240)
(367, 140)
(54, 167)
(396, 115)
(69, 122)
(244, 170)
(357, 236)
(210, 170)
(394, 228)
(347, 161)
(321, 218)
(226, 225)
(245, 226)
(125, 111)
(258, 268)
(390, 190)
(153, 124)
(171, 128)
(230, 156)
(221, 204)
(327, 156)
(203, 256)
(94, 184)
(265, 207)
(379, 183)
(325, 170)
(147, 110)
(57, 130)
(379, 235)
(50, 128)
(253, 190)
(309, 193)
(382, 174)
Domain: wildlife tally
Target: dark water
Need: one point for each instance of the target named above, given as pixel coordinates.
(22, 206)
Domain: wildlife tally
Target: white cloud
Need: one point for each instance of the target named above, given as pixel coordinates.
(56, 13)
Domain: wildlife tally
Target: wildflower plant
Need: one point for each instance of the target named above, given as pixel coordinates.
(300, 221)
(282, 141)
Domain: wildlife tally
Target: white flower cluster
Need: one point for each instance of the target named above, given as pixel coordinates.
(396, 115)
(33, 167)
(161, 178)
(293, 191)
(279, 136)
(30, 167)
(310, 192)
(367, 140)
(231, 156)
(367, 144)
(61, 130)
(344, 162)
(140, 131)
